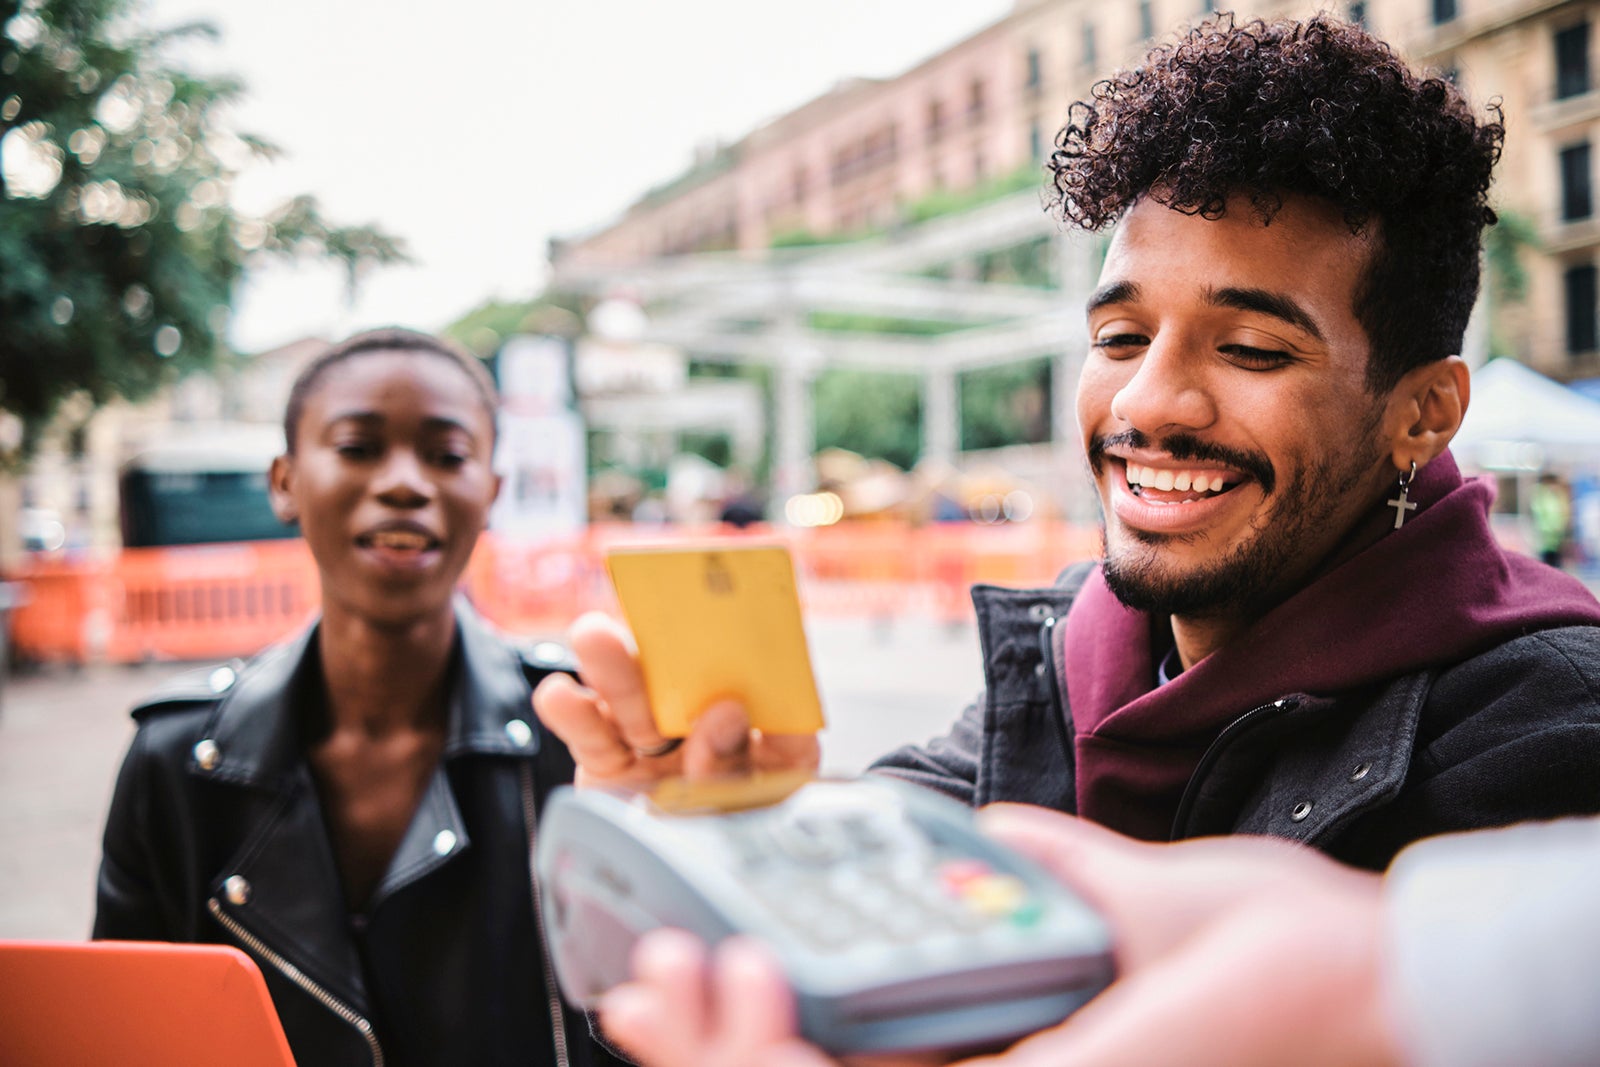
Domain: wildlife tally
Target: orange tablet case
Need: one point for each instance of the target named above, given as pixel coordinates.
(135, 1004)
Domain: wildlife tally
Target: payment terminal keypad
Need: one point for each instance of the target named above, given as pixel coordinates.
(838, 882)
(898, 925)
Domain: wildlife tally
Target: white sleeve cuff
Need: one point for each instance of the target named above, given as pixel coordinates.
(1494, 947)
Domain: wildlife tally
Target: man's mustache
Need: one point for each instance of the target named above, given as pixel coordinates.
(1182, 446)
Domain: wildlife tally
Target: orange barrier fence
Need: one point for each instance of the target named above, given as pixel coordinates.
(62, 615)
(216, 601)
(208, 601)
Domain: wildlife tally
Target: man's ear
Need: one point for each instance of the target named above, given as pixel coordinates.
(280, 489)
(1425, 411)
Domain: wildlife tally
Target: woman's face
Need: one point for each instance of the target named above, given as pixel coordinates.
(391, 481)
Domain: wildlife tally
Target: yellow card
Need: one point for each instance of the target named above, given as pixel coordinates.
(718, 623)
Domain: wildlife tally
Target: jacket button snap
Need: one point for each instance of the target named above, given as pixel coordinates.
(519, 733)
(222, 679)
(1360, 772)
(444, 842)
(1038, 612)
(207, 755)
(1301, 810)
(237, 890)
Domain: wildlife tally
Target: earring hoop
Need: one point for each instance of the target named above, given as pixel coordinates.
(1405, 479)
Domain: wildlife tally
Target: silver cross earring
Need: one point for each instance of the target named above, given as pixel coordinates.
(1402, 503)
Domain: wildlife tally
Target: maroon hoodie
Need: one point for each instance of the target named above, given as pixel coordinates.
(1433, 593)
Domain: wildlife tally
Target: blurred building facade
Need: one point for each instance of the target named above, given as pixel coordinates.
(990, 105)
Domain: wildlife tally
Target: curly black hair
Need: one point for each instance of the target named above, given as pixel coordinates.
(1318, 108)
(387, 339)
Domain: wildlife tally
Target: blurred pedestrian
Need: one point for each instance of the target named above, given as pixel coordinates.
(1550, 504)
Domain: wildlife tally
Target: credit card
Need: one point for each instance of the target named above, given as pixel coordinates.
(718, 623)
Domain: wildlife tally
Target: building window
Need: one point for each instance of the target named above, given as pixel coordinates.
(935, 120)
(1089, 58)
(1035, 75)
(1572, 61)
(1358, 13)
(1147, 20)
(975, 102)
(1577, 199)
(1208, 7)
(1035, 141)
(1581, 319)
(1443, 11)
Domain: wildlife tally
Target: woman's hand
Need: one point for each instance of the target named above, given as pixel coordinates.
(607, 724)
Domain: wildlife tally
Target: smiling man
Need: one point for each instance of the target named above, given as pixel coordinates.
(1301, 625)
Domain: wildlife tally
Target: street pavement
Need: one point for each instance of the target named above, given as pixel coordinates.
(63, 733)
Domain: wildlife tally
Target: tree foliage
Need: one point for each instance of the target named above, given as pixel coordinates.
(1006, 405)
(874, 413)
(119, 249)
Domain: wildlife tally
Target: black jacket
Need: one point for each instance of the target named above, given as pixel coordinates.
(1508, 735)
(216, 835)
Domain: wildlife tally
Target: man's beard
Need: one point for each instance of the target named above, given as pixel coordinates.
(1249, 578)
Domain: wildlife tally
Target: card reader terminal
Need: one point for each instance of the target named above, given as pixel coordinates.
(899, 926)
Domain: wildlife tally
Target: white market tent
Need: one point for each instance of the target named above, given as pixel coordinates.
(1520, 420)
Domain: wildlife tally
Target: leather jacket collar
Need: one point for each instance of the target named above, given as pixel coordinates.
(254, 730)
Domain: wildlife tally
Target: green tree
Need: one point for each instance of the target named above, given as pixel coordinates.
(1506, 277)
(874, 413)
(1006, 405)
(119, 249)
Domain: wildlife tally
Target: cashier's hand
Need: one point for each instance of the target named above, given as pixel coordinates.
(1231, 952)
(686, 1008)
(608, 727)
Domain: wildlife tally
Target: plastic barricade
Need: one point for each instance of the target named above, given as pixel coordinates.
(953, 557)
(220, 601)
(208, 601)
(61, 617)
(855, 569)
(534, 589)
(539, 588)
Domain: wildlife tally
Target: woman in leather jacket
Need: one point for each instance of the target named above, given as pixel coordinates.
(355, 808)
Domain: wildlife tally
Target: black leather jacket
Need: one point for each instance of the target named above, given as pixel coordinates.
(215, 834)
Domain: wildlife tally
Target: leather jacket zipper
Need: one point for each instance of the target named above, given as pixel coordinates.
(298, 977)
(1213, 752)
(558, 1021)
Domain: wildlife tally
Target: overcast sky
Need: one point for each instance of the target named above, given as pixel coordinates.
(476, 129)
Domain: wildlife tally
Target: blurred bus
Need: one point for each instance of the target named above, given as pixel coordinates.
(202, 485)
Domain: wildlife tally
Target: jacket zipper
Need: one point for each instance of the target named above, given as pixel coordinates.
(295, 975)
(1213, 752)
(558, 1021)
(1058, 711)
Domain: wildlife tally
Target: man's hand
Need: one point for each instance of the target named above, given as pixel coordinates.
(609, 729)
(1232, 952)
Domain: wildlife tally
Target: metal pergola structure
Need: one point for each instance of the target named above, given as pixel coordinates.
(744, 310)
